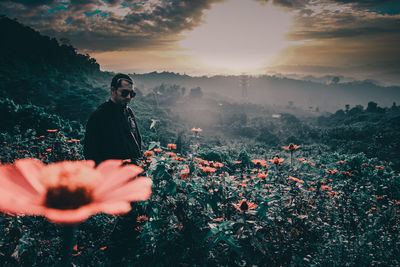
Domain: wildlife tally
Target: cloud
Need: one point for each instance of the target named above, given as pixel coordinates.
(111, 25)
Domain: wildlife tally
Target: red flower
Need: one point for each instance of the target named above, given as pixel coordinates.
(217, 165)
(141, 219)
(52, 130)
(340, 162)
(380, 167)
(170, 154)
(259, 162)
(302, 159)
(262, 175)
(296, 179)
(148, 153)
(244, 206)
(103, 248)
(331, 171)
(277, 160)
(326, 188)
(365, 164)
(332, 193)
(185, 173)
(347, 173)
(208, 169)
(237, 162)
(158, 150)
(171, 146)
(69, 192)
(291, 147)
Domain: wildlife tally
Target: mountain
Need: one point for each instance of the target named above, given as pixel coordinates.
(272, 90)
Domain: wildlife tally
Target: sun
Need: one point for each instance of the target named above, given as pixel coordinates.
(238, 36)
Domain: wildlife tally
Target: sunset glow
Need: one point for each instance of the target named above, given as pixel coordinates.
(238, 36)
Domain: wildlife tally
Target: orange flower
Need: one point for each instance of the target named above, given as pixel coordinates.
(237, 162)
(380, 167)
(291, 147)
(365, 164)
(158, 150)
(171, 146)
(332, 193)
(52, 130)
(218, 219)
(197, 130)
(259, 162)
(170, 154)
(218, 165)
(340, 162)
(347, 173)
(277, 160)
(296, 179)
(326, 188)
(302, 159)
(331, 171)
(208, 169)
(262, 175)
(74, 140)
(244, 205)
(103, 248)
(141, 219)
(69, 192)
(185, 173)
(49, 150)
(148, 153)
(180, 159)
(312, 189)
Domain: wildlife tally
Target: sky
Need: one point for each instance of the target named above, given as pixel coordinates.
(350, 38)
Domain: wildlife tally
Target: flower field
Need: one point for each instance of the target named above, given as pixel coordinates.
(223, 206)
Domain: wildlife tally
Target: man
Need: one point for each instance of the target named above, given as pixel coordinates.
(111, 131)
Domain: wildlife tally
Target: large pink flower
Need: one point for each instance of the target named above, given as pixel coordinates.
(69, 192)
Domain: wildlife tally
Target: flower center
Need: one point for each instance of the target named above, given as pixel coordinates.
(69, 185)
(63, 198)
(244, 206)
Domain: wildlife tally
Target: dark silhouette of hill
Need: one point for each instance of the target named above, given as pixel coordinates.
(37, 69)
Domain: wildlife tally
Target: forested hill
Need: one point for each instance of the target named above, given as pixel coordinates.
(37, 69)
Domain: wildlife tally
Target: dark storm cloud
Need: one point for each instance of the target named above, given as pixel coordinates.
(153, 23)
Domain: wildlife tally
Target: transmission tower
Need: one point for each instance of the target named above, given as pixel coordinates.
(244, 85)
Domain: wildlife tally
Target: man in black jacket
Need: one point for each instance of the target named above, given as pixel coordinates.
(111, 131)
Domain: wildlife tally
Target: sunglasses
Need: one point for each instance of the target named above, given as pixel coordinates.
(125, 93)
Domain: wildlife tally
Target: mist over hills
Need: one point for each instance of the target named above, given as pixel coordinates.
(279, 91)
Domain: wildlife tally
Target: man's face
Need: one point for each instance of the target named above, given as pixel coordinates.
(122, 96)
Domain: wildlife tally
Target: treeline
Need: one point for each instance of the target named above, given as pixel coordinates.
(36, 69)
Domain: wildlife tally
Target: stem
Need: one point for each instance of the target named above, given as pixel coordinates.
(291, 159)
(69, 236)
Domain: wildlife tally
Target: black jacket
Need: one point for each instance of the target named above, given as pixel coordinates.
(112, 133)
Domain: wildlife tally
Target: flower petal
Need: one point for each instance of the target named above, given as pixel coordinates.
(12, 202)
(76, 216)
(30, 169)
(13, 181)
(136, 190)
(114, 176)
